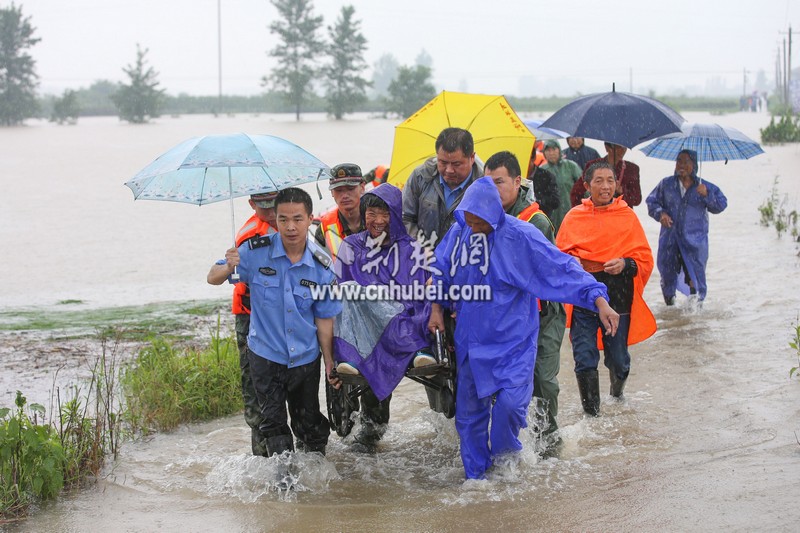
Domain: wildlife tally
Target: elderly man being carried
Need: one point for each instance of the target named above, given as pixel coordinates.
(382, 336)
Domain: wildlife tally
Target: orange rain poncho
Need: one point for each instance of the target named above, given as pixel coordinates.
(599, 235)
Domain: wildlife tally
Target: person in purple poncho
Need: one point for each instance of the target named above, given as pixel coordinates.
(380, 339)
(496, 338)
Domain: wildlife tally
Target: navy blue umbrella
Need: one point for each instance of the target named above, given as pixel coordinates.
(616, 117)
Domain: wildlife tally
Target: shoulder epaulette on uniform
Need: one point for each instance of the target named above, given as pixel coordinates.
(259, 241)
(319, 254)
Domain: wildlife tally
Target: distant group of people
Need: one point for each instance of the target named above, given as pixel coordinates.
(561, 247)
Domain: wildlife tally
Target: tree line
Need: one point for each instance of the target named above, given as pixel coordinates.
(308, 60)
(316, 71)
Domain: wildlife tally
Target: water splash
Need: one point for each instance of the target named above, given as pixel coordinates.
(249, 478)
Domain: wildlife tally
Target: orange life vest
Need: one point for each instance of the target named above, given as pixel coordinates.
(332, 230)
(380, 171)
(241, 292)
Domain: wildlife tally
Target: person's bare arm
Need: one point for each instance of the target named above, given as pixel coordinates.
(325, 339)
(219, 274)
(608, 317)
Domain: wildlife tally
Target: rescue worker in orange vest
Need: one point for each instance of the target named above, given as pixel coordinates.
(346, 185)
(377, 176)
(504, 169)
(261, 223)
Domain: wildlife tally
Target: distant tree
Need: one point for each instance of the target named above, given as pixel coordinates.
(140, 100)
(66, 108)
(96, 100)
(410, 90)
(18, 79)
(424, 59)
(345, 87)
(297, 52)
(383, 72)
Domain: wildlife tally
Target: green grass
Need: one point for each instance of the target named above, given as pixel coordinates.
(168, 385)
(137, 323)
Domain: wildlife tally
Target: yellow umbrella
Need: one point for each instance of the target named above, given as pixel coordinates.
(494, 125)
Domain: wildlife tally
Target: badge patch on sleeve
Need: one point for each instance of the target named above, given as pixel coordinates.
(259, 241)
(267, 271)
(307, 283)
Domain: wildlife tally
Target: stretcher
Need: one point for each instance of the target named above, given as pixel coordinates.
(438, 379)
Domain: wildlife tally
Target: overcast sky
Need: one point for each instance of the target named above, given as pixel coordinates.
(513, 47)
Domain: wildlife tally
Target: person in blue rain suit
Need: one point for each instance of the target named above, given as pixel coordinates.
(496, 338)
(681, 203)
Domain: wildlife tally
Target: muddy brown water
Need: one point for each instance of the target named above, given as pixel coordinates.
(705, 439)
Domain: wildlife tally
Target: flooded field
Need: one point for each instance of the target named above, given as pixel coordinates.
(706, 438)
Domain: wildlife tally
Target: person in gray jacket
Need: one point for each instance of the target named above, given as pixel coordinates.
(435, 188)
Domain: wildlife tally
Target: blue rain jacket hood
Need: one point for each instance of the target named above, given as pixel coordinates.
(499, 335)
(484, 202)
(496, 338)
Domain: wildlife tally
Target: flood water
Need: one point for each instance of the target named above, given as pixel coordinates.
(706, 438)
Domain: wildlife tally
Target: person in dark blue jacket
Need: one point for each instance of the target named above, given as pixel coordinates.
(496, 337)
(681, 203)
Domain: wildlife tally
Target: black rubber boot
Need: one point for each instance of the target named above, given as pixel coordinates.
(617, 385)
(279, 444)
(589, 388)
(311, 448)
(258, 443)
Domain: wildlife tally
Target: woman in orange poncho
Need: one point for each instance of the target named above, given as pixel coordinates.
(605, 235)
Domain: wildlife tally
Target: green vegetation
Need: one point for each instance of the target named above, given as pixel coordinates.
(166, 385)
(18, 79)
(410, 90)
(299, 47)
(89, 422)
(774, 213)
(31, 459)
(134, 323)
(345, 87)
(66, 108)
(786, 130)
(141, 99)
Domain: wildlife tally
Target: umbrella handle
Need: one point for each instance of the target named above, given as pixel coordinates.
(235, 274)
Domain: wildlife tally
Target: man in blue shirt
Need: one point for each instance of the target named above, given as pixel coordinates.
(435, 188)
(289, 324)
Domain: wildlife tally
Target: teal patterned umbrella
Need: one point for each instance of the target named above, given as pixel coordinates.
(213, 168)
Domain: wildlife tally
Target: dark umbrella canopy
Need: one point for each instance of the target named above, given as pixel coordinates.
(616, 117)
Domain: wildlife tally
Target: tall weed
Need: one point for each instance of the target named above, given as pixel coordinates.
(31, 459)
(167, 385)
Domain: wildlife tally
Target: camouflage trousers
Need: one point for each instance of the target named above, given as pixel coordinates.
(552, 324)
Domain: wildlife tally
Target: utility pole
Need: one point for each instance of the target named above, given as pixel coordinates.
(744, 82)
(787, 67)
(219, 50)
(778, 91)
(785, 78)
(789, 73)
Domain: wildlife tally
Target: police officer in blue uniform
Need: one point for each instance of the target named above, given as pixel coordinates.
(289, 324)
